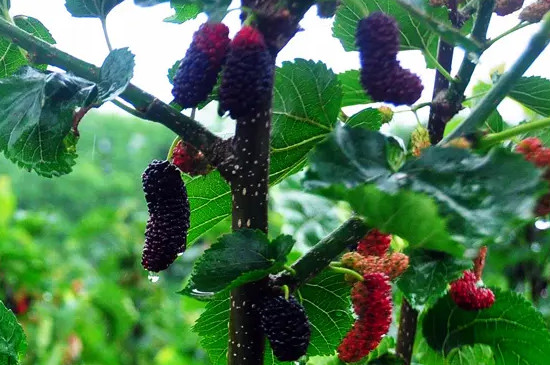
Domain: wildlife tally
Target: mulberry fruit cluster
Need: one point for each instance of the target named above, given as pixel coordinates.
(535, 12)
(189, 160)
(372, 304)
(374, 243)
(505, 7)
(468, 295)
(382, 76)
(166, 231)
(247, 79)
(420, 140)
(286, 326)
(533, 151)
(393, 264)
(198, 71)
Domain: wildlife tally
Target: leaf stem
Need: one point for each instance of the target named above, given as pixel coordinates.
(508, 32)
(289, 269)
(170, 153)
(494, 138)
(440, 68)
(343, 270)
(106, 34)
(487, 105)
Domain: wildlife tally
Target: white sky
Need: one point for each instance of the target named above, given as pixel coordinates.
(157, 45)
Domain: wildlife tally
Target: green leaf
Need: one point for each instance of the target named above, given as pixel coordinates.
(368, 118)
(428, 275)
(13, 57)
(533, 92)
(466, 355)
(485, 198)
(189, 9)
(327, 304)
(13, 343)
(415, 34)
(237, 258)
(326, 300)
(149, 2)
(306, 104)
(183, 11)
(36, 116)
(512, 327)
(446, 31)
(91, 8)
(494, 123)
(35, 27)
(352, 91)
(413, 217)
(172, 71)
(5, 5)
(115, 74)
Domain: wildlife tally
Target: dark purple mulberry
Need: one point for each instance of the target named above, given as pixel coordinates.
(286, 326)
(247, 79)
(198, 71)
(166, 232)
(382, 76)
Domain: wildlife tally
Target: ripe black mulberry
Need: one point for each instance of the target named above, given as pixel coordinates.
(382, 76)
(166, 232)
(198, 71)
(247, 79)
(286, 326)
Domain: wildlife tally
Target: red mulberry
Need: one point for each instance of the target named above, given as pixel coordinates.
(468, 296)
(372, 303)
(189, 160)
(382, 76)
(374, 243)
(198, 71)
(247, 79)
(286, 326)
(166, 232)
(533, 151)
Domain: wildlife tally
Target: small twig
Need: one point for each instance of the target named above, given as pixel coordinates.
(508, 32)
(479, 262)
(343, 270)
(128, 109)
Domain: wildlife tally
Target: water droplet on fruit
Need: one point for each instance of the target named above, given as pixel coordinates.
(542, 224)
(153, 277)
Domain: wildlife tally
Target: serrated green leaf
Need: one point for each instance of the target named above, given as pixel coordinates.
(352, 91)
(35, 27)
(326, 300)
(533, 92)
(12, 58)
(484, 198)
(413, 217)
(466, 355)
(512, 327)
(238, 258)
(414, 34)
(115, 74)
(13, 343)
(36, 116)
(183, 11)
(306, 103)
(428, 275)
(172, 71)
(91, 8)
(189, 9)
(368, 118)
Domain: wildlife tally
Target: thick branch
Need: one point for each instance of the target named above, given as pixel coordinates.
(407, 332)
(487, 105)
(330, 247)
(152, 108)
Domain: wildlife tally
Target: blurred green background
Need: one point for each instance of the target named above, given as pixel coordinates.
(70, 250)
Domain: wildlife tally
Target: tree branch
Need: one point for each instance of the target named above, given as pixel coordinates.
(150, 107)
(487, 105)
(446, 105)
(407, 332)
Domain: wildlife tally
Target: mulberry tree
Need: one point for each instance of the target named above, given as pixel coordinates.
(400, 281)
